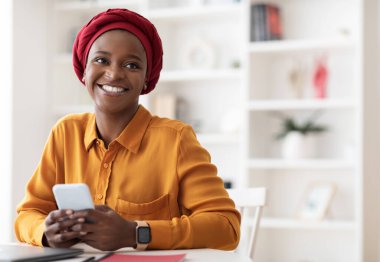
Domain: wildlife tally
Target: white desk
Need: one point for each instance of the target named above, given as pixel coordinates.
(201, 255)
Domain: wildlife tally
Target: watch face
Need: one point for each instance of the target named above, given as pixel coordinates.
(143, 235)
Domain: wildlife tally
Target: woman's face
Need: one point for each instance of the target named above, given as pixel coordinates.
(116, 71)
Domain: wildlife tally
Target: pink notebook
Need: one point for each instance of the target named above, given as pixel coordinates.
(144, 258)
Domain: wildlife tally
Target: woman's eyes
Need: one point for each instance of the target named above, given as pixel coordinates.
(100, 60)
(129, 65)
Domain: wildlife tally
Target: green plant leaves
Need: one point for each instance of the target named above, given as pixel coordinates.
(290, 125)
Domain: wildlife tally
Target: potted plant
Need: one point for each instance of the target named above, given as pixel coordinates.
(299, 139)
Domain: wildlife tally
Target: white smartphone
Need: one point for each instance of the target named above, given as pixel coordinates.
(73, 196)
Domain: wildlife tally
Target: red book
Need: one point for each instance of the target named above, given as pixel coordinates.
(144, 258)
(273, 22)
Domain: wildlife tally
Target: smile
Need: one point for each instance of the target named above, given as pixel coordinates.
(113, 89)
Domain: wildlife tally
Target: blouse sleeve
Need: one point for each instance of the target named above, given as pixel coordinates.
(38, 200)
(209, 217)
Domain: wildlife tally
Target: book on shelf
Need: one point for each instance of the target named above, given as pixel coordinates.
(265, 22)
(165, 105)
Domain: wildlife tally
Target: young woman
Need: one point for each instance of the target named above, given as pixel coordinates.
(152, 183)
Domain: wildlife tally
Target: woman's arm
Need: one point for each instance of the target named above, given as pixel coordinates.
(38, 200)
(38, 222)
(209, 218)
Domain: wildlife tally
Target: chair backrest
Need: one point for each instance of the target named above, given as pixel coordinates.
(247, 199)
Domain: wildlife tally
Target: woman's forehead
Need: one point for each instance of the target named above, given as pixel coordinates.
(118, 41)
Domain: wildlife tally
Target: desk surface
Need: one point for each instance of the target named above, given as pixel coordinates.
(205, 255)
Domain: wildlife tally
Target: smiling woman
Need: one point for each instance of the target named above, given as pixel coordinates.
(6, 119)
(115, 75)
(153, 184)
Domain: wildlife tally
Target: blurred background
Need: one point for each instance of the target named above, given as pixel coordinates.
(283, 93)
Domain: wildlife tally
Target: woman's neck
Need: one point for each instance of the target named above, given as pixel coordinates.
(109, 126)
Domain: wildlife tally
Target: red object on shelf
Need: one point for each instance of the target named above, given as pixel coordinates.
(320, 79)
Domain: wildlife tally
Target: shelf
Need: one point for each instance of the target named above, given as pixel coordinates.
(94, 5)
(314, 164)
(74, 109)
(212, 74)
(269, 105)
(300, 45)
(216, 138)
(287, 223)
(192, 11)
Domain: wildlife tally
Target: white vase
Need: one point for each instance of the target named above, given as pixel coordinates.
(298, 146)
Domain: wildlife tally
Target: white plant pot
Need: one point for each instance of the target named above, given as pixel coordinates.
(298, 146)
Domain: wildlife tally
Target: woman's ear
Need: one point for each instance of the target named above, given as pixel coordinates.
(84, 76)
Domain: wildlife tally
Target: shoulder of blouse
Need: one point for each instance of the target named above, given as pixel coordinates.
(162, 122)
(71, 121)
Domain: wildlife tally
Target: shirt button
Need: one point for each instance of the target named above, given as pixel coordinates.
(99, 196)
(105, 165)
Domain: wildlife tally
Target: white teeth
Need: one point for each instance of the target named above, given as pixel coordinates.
(112, 89)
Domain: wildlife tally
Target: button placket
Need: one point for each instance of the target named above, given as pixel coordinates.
(104, 174)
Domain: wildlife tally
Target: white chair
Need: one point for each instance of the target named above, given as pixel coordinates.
(245, 200)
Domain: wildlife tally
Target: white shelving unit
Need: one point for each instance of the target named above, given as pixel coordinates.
(252, 79)
(193, 75)
(285, 46)
(310, 32)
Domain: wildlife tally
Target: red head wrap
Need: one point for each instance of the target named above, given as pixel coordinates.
(126, 20)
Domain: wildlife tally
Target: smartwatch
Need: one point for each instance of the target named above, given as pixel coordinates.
(143, 236)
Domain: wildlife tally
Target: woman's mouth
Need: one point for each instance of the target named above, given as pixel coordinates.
(113, 90)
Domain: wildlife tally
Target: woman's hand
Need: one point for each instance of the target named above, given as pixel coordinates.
(106, 230)
(58, 231)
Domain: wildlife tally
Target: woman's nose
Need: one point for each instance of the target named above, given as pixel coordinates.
(115, 72)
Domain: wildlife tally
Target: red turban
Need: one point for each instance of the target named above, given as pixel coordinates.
(126, 20)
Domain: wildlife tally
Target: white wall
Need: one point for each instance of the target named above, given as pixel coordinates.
(371, 31)
(6, 119)
(29, 91)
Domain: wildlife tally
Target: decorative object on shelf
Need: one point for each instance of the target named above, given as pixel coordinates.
(198, 53)
(320, 77)
(182, 113)
(235, 63)
(182, 109)
(297, 77)
(227, 184)
(299, 140)
(317, 201)
(265, 22)
(164, 105)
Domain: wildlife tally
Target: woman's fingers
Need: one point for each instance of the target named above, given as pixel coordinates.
(65, 225)
(64, 237)
(57, 215)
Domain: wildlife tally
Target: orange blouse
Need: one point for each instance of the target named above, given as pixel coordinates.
(155, 171)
